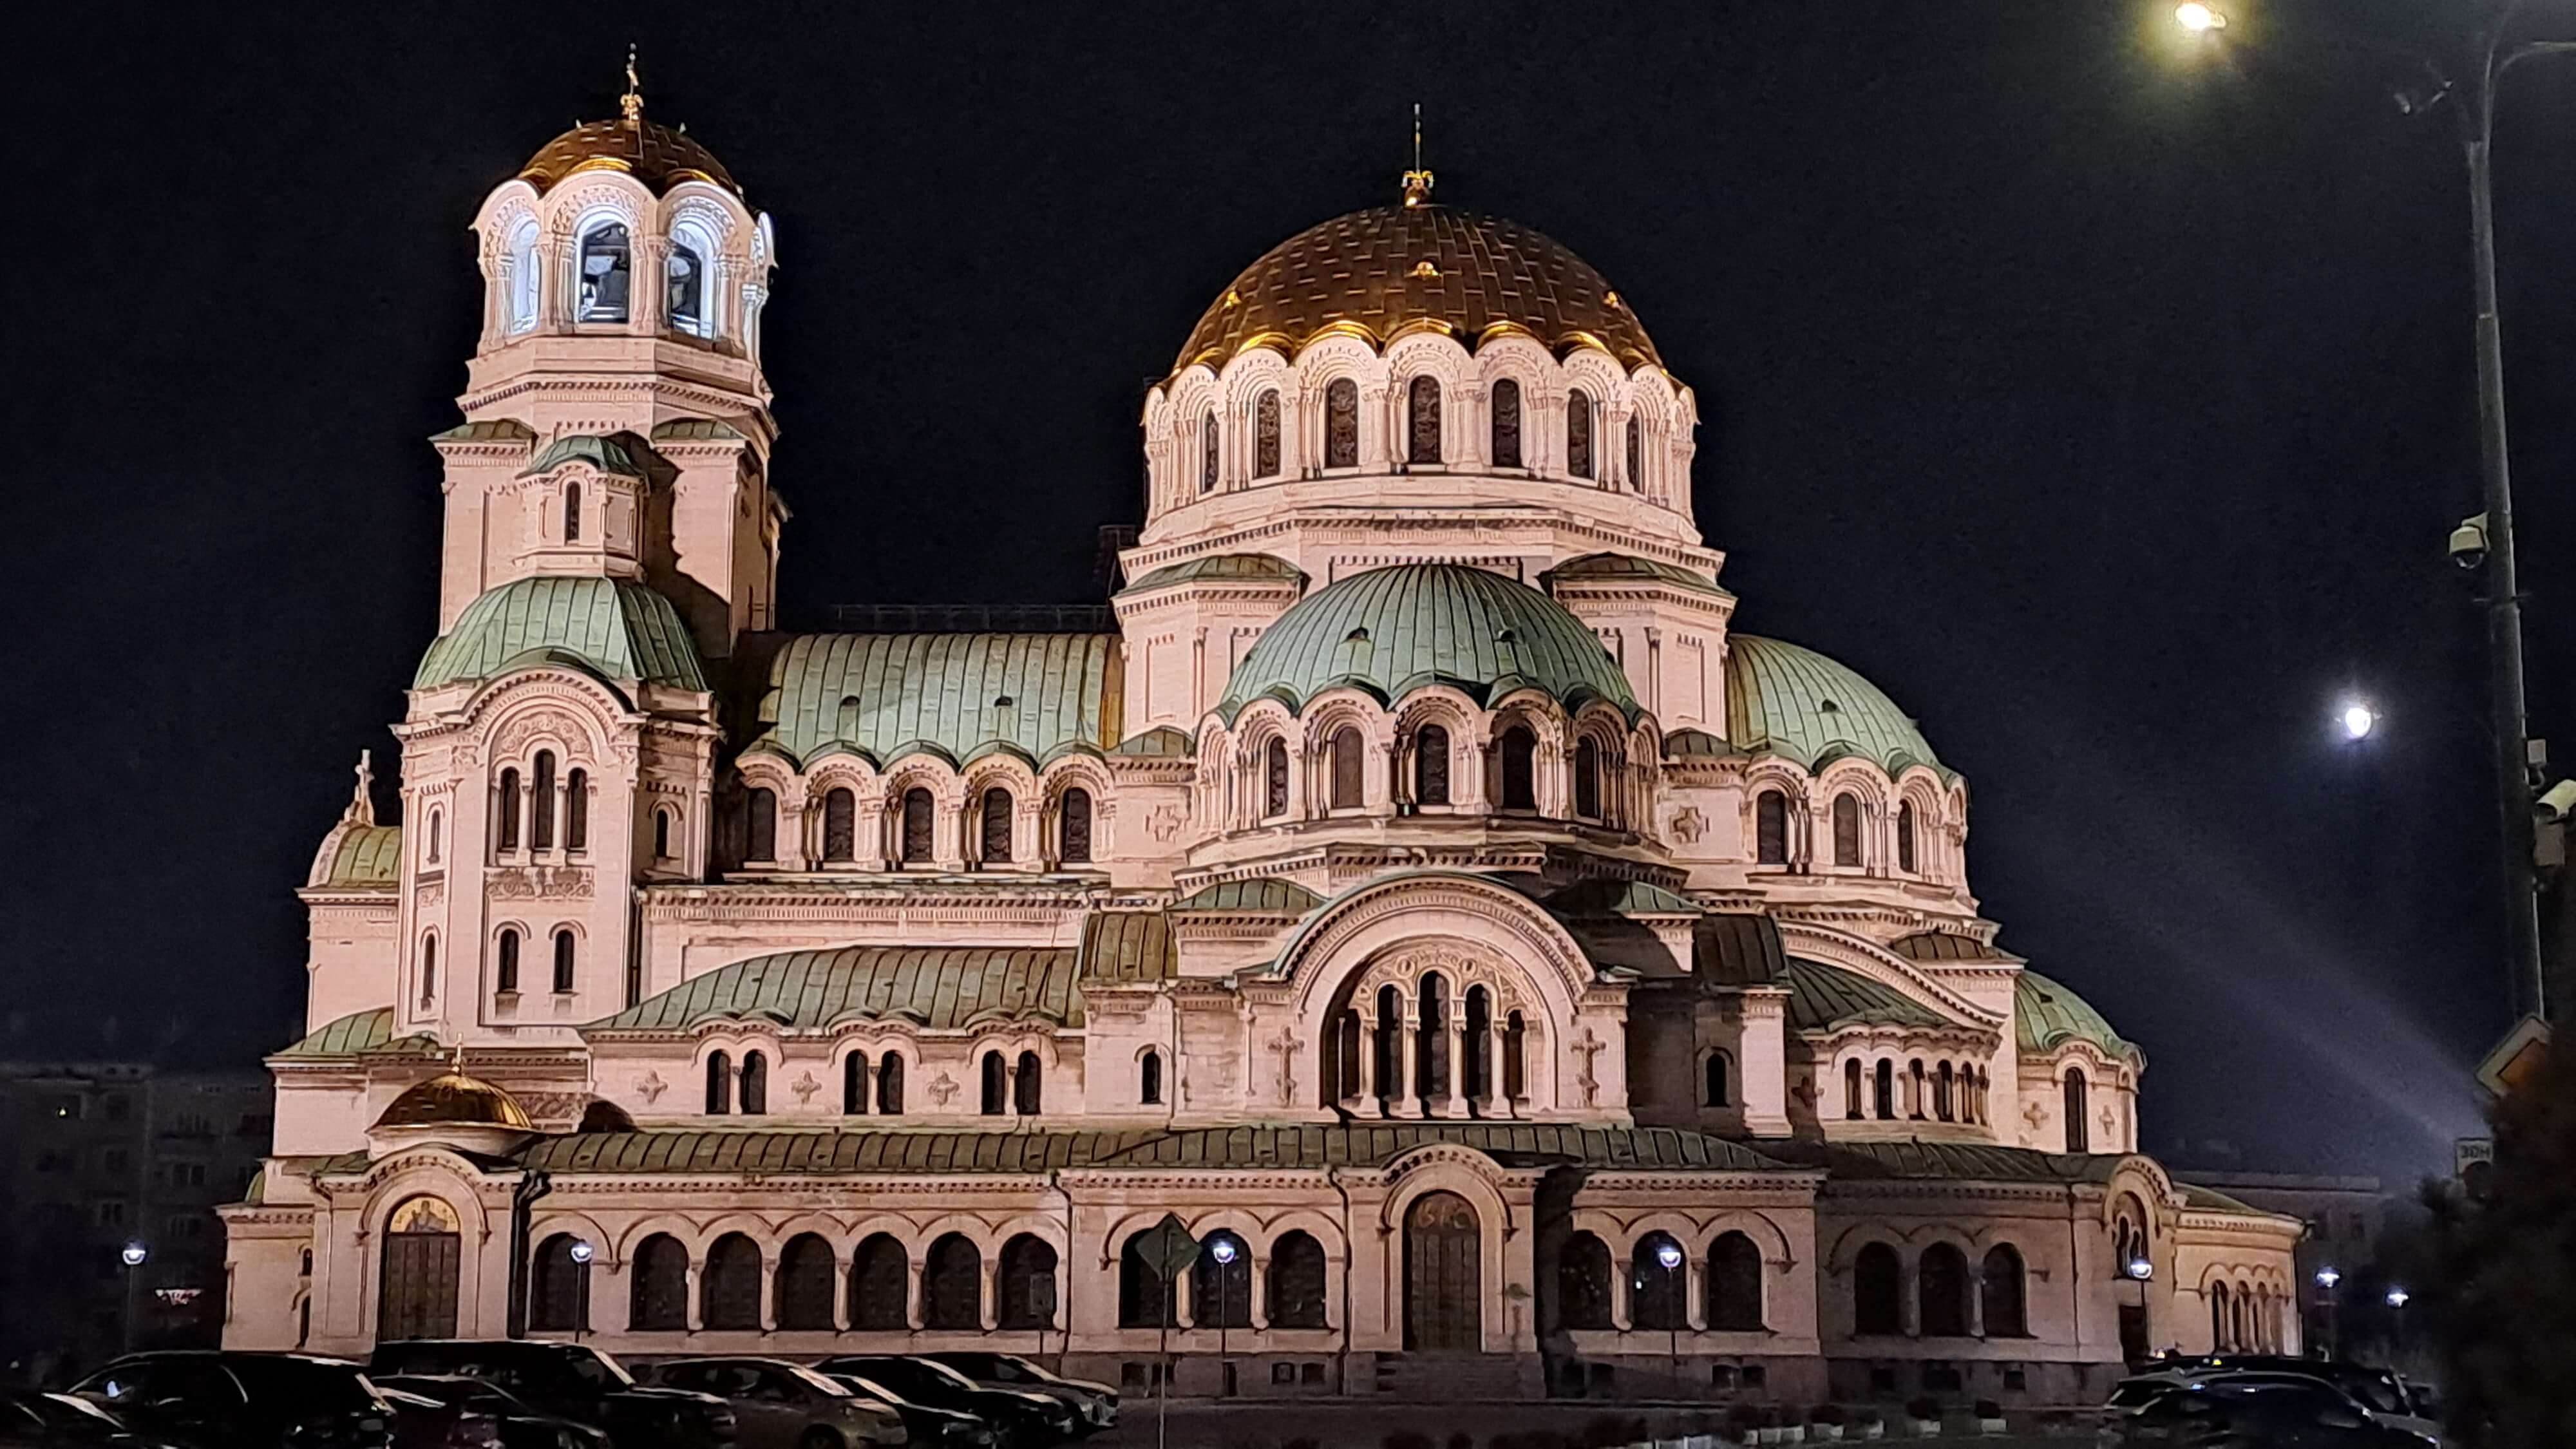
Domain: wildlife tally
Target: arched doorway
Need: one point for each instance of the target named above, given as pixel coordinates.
(417, 1291)
(1443, 1262)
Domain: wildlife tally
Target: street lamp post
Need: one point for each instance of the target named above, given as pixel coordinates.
(582, 1253)
(2397, 1300)
(1223, 1250)
(133, 1256)
(1670, 1256)
(2327, 1278)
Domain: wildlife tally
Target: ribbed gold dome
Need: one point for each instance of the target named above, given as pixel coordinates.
(658, 156)
(453, 1099)
(1391, 270)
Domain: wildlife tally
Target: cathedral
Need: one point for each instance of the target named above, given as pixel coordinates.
(1514, 979)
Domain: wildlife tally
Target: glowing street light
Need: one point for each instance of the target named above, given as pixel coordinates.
(1670, 1256)
(2199, 19)
(2357, 720)
(1223, 1251)
(2397, 1297)
(582, 1252)
(2141, 1269)
(133, 1254)
(2327, 1277)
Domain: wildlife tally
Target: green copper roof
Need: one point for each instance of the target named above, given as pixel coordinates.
(1737, 948)
(369, 858)
(1394, 630)
(1946, 946)
(497, 430)
(941, 988)
(887, 693)
(1128, 946)
(361, 1032)
(835, 1153)
(2047, 1016)
(1687, 744)
(2210, 1199)
(1945, 1162)
(1253, 566)
(1784, 700)
(1619, 567)
(1621, 898)
(608, 455)
(1823, 997)
(618, 630)
(1268, 896)
(1162, 742)
(691, 430)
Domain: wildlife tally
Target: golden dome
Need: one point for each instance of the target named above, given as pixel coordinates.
(453, 1099)
(656, 155)
(1390, 270)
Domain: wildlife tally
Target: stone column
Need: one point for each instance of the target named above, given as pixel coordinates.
(696, 1300)
(1695, 1293)
(1365, 1070)
(1259, 1271)
(989, 1311)
(912, 1294)
(648, 283)
(842, 1307)
(768, 1294)
(1408, 1047)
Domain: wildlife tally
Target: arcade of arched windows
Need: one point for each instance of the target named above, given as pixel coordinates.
(1942, 1289)
(2247, 1316)
(1880, 1084)
(540, 809)
(871, 1072)
(1432, 1035)
(604, 254)
(1716, 1280)
(1425, 403)
(923, 814)
(1854, 820)
(1249, 1276)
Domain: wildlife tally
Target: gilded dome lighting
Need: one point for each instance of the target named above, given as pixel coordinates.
(1390, 270)
(656, 155)
(453, 1099)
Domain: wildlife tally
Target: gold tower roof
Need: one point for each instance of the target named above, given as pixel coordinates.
(453, 1099)
(1390, 270)
(656, 155)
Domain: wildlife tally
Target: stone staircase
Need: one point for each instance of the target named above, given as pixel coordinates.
(1451, 1377)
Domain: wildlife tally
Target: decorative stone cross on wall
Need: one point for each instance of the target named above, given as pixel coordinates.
(805, 1087)
(1285, 1044)
(1588, 1049)
(943, 1088)
(652, 1086)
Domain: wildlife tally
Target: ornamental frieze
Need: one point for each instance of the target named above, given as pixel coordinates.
(537, 883)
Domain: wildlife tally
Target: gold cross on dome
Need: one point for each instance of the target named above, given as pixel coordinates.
(1417, 182)
(632, 103)
(456, 1059)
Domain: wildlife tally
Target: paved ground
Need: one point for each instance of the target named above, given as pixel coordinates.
(1200, 1424)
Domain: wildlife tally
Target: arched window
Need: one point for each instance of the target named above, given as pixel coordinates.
(1714, 1074)
(1207, 451)
(1221, 1292)
(997, 1085)
(840, 825)
(2079, 1137)
(729, 1287)
(1027, 1284)
(760, 825)
(1274, 785)
(505, 960)
(1659, 1292)
(1265, 434)
(541, 802)
(1296, 1282)
(1349, 768)
(1520, 768)
(1073, 826)
(563, 960)
(1877, 1289)
(880, 1285)
(1587, 780)
(755, 1084)
(805, 1275)
(1515, 1073)
(428, 969)
(1422, 413)
(1341, 1073)
(952, 1285)
(1341, 423)
(1846, 830)
(524, 279)
(505, 812)
(854, 1085)
(719, 1084)
(1431, 766)
(1917, 1099)
(1149, 1079)
(577, 809)
(1942, 1280)
(1734, 1284)
(1771, 828)
(1636, 456)
(890, 1085)
(662, 835)
(2222, 1320)
(659, 1298)
(916, 826)
(1942, 1082)
(604, 274)
(432, 857)
(1145, 1296)
(572, 513)
(1507, 423)
(1884, 1093)
(1578, 433)
(686, 297)
(1431, 1044)
(1851, 1090)
(997, 826)
(1386, 1064)
(1905, 836)
(1999, 1284)
(559, 1293)
(1025, 1082)
(1476, 1061)
(1583, 1283)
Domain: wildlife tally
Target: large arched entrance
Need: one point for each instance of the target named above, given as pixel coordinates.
(1443, 1278)
(417, 1292)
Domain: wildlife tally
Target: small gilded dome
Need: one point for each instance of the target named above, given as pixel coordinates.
(656, 155)
(453, 1099)
(1390, 270)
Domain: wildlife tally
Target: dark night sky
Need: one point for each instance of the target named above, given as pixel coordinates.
(2109, 413)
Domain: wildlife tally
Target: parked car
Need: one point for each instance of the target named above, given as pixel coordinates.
(1097, 1403)
(573, 1381)
(1018, 1417)
(429, 1424)
(62, 1421)
(782, 1405)
(522, 1425)
(924, 1426)
(2258, 1412)
(2381, 1390)
(214, 1399)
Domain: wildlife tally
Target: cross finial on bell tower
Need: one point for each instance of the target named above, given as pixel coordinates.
(1417, 182)
(362, 799)
(632, 103)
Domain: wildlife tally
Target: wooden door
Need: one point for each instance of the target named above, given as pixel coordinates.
(419, 1286)
(1443, 1287)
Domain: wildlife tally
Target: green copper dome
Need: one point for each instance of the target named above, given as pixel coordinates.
(1391, 631)
(2047, 1016)
(1784, 700)
(616, 629)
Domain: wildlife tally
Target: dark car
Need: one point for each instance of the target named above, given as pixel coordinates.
(572, 1381)
(1096, 1403)
(522, 1425)
(210, 1399)
(1017, 1417)
(2267, 1412)
(782, 1405)
(924, 1426)
(62, 1421)
(2387, 1396)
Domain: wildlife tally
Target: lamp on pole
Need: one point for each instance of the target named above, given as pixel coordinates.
(2327, 1278)
(2397, 1300)
(1669, 1254)
(1223, 1250)
(133, 1255)
(582, 1253)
